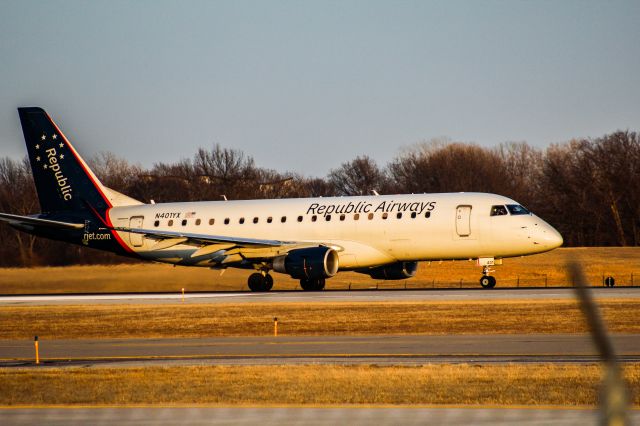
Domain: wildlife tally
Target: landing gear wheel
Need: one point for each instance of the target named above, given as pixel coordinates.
(256, 282)
(313, 284)
(259, 282)
(487, 281)
(268, 282)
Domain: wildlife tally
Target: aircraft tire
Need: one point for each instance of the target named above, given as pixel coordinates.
(312, 284)
(258, 282)
(306, 285)
(322, 283)
(487, 281)
(268, 282)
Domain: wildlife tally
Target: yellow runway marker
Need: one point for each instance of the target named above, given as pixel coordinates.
(35, 343)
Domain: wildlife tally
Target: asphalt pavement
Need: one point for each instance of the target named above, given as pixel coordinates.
(385, 349)
(303, 416)
(428, 295)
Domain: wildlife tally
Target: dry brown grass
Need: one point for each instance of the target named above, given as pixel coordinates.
(201, 320)
(311, 384)
(527, 271)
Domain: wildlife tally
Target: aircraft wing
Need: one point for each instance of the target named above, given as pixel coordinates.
(22, 221)
(199, 239)
(224, 250)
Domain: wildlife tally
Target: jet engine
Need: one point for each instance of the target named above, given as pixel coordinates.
(395, 271)
(308, 263)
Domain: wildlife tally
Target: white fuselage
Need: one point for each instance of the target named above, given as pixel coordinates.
(365, 231)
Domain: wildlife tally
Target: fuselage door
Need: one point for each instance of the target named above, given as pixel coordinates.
(136, 239)
(463, 221)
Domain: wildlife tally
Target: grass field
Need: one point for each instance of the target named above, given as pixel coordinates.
(539, 270)
(201, 320)
(312, 384)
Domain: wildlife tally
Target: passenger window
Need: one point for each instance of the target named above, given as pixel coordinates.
(241, 221)
(283, 219)
(255, 220)
(314, 218)
(156, 223)
(427, 215)
(399, 215)
(327, 217)
(413, 215)
(226, 221)
(356, 216)
(385, 215)
(342, 217)
(198, 221)
(212, 221)
(184, 222)
(516, 209)
(269, 219)
(299, 218)
(499, 211)
(370, 216)
(170, 223)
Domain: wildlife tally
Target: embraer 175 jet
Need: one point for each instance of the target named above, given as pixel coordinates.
(311, 239)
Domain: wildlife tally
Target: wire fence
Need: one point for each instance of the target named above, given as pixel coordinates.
(519, 281)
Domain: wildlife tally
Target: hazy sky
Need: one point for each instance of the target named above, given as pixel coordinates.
(304, 86)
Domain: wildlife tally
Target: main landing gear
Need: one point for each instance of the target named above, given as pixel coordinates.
(487, 281)
(312, 284)
(260, 282)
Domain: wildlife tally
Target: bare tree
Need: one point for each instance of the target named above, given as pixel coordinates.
(437, 167)
(18, 196)
(115, 172)
(358, 177)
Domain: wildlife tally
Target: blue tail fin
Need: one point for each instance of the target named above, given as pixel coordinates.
(63, 180)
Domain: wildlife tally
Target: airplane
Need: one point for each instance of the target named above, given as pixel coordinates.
(310, 239)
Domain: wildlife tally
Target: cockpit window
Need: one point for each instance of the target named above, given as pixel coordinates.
(516, 209)
(499, 211)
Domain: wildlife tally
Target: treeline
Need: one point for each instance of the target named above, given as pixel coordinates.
(589, 189)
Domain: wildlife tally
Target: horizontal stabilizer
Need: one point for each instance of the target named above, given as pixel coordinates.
(18, 220)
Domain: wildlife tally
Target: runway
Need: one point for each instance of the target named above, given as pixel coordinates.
(388, 349)
(427, 295)
(286, 416)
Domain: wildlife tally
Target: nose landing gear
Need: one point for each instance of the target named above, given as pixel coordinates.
(487, 281)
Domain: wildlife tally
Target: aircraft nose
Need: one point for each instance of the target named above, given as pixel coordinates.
(550, 237)
(544, 236)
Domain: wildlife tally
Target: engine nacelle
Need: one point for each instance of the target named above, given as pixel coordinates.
(395, 271)
(308, 263)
